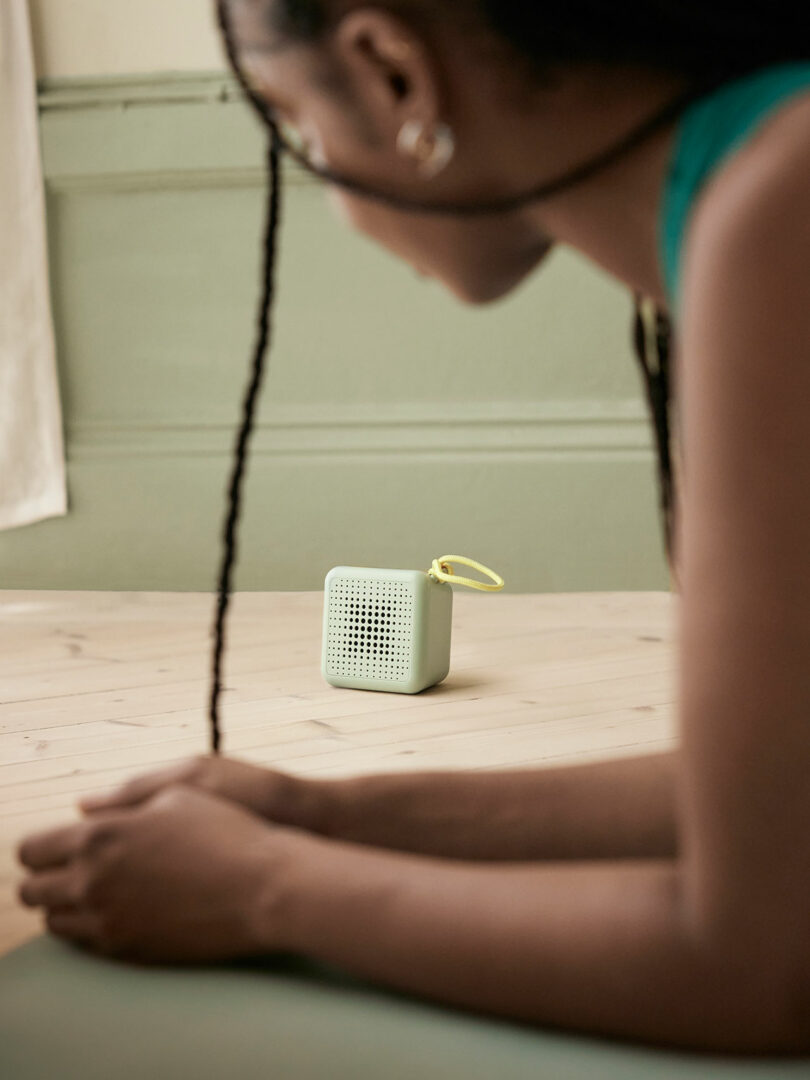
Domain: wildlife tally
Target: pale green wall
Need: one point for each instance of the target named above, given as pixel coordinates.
(396, 425)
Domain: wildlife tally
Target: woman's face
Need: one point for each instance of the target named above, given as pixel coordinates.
(347, 98)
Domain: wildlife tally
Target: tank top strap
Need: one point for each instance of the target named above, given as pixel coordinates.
(709, 132)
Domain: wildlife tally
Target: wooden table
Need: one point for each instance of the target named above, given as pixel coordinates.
(97, 686)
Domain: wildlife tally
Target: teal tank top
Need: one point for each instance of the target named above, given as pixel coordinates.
(708, 133)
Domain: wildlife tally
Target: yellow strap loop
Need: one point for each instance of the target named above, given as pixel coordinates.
(441, 570)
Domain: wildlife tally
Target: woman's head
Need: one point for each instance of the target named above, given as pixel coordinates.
(385, 94)
(465, 101)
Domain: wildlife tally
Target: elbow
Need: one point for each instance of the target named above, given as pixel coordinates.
(753, 971)
(767, 1015)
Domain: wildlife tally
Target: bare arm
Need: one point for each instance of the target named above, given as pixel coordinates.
(602, 947)
(620, 808)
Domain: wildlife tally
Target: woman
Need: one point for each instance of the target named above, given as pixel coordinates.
(661, 899)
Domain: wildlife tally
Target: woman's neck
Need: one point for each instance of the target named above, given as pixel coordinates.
(615, 223)
(614, 217)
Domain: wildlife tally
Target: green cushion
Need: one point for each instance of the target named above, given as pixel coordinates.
(65, 1014)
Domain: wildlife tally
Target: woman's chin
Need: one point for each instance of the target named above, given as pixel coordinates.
(486, 289)
(479, 293)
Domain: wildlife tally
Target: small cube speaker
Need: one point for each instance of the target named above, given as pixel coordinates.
(390, 629)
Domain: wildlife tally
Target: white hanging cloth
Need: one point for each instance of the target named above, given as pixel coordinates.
(32, 468)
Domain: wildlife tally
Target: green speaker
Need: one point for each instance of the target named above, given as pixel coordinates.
(390, 629)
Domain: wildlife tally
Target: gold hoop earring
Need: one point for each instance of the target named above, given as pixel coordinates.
(433, 152)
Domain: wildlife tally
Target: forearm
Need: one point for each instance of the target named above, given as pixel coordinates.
(608, 809)
(599, 947)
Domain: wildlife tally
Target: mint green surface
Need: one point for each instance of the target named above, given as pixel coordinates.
(67, 1016)
(396, 423)
(405, 612)
(709, 132)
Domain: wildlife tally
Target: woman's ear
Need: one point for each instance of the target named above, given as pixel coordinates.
(391, 72)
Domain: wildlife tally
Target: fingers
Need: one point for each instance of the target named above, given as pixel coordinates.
(58, 848)
(77, 924)
(54, 848)
(141, 788)
(59, 888)
(62, 895)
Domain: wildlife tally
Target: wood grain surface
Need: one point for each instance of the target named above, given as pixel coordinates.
(96, 687)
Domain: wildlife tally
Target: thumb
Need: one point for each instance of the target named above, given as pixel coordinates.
(88, 804)
(142, 788)
(131, 793)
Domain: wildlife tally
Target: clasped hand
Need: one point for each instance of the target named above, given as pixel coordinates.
(169, 867)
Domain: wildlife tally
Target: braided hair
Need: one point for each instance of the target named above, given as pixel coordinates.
(257, 366)
(652, 334)
(708, 41)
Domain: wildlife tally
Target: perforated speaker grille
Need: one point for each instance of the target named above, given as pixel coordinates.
(369, 629)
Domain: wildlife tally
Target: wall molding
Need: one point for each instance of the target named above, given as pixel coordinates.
(125, 92)
(153, 132)
(335, 432)
(162, 180)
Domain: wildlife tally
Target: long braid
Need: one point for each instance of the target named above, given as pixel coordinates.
(657, 385)
(263, 335)
(240, 451)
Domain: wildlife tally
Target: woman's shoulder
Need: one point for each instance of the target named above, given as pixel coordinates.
(739, 148)
(774, 161)
(756, 207)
